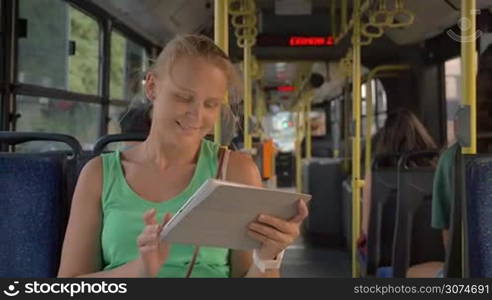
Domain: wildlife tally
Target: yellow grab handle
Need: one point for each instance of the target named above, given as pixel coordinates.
(367, 30)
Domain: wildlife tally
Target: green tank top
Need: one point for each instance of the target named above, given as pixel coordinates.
(123, 209)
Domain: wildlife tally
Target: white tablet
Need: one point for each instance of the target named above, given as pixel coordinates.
(219, 212)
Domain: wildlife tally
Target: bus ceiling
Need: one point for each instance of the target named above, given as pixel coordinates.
(161, 20)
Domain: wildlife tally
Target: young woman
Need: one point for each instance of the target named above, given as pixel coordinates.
(106, 236)
(402, 132)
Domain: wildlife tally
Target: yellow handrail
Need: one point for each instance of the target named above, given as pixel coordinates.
(221, 36)
(299, 136)
(345, 29)
(357, 183)
(402, 12)
(469, 70)
(344, 13)
(309, 100)
(244, 21)
(381, 17)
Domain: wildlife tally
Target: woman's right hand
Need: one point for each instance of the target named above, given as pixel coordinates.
(153, 251)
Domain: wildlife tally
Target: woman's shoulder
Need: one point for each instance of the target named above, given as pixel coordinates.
(91, 173)
(243, 169)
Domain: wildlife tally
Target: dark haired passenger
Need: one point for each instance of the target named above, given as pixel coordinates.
(402, 133)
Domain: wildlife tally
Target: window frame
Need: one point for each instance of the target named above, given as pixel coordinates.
(127, 38)
(10, 88)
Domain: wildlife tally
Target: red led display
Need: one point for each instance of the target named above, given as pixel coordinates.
(285, 88)
(295, 41)
(299, 41)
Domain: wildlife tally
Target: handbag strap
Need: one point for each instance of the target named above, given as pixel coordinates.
(221, 174)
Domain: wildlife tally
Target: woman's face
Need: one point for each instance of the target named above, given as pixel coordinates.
(187, 101)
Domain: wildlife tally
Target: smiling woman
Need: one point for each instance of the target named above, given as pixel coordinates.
(152, 180)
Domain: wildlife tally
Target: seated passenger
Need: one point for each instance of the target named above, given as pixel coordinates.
(402, 132)
(443, 193)
(120, 197)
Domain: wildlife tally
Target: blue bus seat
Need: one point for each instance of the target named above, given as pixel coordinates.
(34, 205)
(478, 216)
(104, 141)
(32, 210)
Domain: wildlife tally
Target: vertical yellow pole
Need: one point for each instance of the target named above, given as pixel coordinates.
(247, 97)
(369, 124)
(346, 132)
(299, 129)
(308, 128)
(356, 181)
(469, 93)
(221, 36)
(344, 20)
(469, 69)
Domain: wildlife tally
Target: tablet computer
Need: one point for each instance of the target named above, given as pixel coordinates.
(219, 212)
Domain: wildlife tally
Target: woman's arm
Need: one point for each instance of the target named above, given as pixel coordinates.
(81, 254)
(242, 169)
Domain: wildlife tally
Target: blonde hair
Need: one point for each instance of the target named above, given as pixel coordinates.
(192, 45)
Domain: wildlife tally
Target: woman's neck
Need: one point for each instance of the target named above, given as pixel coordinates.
(164, 153)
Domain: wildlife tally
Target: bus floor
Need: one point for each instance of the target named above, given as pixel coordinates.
(306, 259)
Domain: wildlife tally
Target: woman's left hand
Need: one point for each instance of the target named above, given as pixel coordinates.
(276, 234)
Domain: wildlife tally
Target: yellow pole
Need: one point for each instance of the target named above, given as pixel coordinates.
(221, 36)
(299, 129)
(469, 93)
(346, 131)
(469, 71)
(356, 181)
(344, 8)
(248, 144)
(308, 128)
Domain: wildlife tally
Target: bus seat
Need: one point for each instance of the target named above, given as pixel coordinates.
(104, 141)
(415, 240)
(382, 213)
(34, 205)
(324, 183)
(478, 222)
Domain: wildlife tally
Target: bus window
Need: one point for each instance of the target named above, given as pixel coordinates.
(318, 123)
(129, 62)
(378, 108)
(452, 73)
(42, 114)
(60, 48)
(381, 103)
(83, 62)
